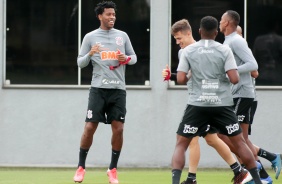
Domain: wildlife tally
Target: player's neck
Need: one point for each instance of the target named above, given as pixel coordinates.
(190, 42)
(105, 28)
(229, 31)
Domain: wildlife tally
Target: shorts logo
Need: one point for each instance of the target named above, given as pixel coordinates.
(241, 118)
(233, 128)
(208, 128)
(89, 114)
(119, 41)
(190, 130)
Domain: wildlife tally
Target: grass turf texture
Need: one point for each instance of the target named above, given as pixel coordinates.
(98, 176)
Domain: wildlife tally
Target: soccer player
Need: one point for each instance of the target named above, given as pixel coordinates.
(182, 32)
(243, 93)
(274, 158)
(109, 50)
(210, 100)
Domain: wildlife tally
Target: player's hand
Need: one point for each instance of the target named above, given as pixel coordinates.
(96, 49)
(254, 74)
(166, 73)
(121, 56)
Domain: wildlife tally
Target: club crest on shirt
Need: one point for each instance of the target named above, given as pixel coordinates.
(119, 41)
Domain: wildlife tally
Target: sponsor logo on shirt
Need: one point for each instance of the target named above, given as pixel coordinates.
(108, 55)
(210, 84)
(202, 50)
(210, 98)
(110, 82)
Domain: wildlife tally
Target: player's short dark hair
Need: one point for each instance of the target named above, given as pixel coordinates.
(181, 25)
(234, 16)
(209, 24)
(102, 5)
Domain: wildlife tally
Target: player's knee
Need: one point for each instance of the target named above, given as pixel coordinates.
(118, 130)
(90, 127)
(210, 142)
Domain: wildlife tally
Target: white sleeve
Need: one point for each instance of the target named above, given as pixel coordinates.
(183, 65)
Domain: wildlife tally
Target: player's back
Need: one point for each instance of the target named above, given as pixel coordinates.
(209, 61)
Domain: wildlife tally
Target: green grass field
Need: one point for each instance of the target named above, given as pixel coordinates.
(98, 176)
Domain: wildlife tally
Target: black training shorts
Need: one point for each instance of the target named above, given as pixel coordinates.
(252, 114)
(106, 105)
(197, 119)
(242, 108)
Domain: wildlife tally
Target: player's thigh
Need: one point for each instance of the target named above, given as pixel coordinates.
(194, 142)
(242, 108)
(96, 106)
(225, 120)
(253, 111)
(116, 106)
(194, 121)
(211, 139)
(252, 115)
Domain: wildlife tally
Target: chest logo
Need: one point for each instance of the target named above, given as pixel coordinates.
(119, 41)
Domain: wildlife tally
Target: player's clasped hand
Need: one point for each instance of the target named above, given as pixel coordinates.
(121, 57)
(94, 49)
(166, 73)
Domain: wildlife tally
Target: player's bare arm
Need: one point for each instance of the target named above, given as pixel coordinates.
(182, 77)
(233, 76)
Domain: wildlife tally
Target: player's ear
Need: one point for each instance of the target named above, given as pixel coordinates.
(215, 33)
(200, 31)
(100, 17)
